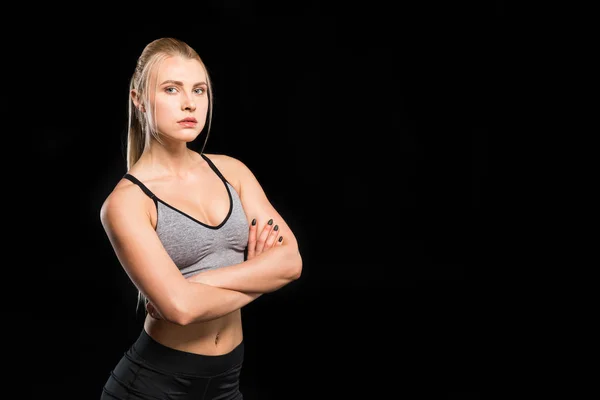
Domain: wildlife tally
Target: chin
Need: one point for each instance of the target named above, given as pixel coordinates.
(191, 137)
(185, 134)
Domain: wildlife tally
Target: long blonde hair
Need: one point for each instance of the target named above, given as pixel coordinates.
(141, 126)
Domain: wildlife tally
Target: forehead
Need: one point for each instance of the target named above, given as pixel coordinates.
(181, 69)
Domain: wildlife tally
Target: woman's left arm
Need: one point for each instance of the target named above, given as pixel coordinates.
(271, 269)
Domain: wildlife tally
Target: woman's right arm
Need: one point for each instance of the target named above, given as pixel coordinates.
(151, 269)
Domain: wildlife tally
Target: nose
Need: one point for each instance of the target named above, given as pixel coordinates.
(188, 104)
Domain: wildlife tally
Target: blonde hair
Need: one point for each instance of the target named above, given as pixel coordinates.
(141, 126)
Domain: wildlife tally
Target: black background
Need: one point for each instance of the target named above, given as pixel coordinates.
(368, 129)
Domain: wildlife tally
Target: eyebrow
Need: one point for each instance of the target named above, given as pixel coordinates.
(181, 83)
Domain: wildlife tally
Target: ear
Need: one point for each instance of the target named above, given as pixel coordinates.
(136, 100)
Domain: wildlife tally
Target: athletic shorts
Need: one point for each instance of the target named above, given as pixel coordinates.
(150, 370)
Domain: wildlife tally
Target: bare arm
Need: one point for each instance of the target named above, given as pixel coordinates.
(265, 273)
(269, 270)
(151, 269)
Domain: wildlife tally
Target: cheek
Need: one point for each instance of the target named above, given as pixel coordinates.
(203, 105)
(165, 109)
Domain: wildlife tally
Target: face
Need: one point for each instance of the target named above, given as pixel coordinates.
(179, 98)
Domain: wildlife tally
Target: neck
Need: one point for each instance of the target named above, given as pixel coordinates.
(168, 159)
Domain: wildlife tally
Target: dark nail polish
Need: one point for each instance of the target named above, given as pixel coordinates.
(276, 227)
(270, 221)
(254, 221)
(280, 238)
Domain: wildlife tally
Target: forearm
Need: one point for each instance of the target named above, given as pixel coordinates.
(200, 302)
(264, 273)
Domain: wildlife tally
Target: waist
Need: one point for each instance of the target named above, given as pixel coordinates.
(148, 350)
(215, 337)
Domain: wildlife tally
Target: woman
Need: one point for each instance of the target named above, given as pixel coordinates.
(180, 223)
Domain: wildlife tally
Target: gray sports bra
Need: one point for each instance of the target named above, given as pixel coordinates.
(193, 245)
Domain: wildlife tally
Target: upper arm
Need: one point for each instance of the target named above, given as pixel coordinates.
(141, 252)
(255, 201)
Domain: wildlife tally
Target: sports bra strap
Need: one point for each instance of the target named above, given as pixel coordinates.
(140, 184)
(214, 168)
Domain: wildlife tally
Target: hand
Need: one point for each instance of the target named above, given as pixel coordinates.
(267, 239)
(152, 311)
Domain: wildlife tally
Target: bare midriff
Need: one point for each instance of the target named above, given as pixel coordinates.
(214, 337)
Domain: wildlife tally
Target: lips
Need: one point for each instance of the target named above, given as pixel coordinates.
(188, 119)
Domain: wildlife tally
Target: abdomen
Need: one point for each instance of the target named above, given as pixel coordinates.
(214, 337)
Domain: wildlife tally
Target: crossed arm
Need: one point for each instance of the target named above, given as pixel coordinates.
(268, 267)
(211, 294)
(271, 263)
(256, 275)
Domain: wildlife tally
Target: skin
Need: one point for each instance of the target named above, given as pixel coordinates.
(257, 243)
(200, 314)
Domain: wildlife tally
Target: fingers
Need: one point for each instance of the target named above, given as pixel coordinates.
(271, 237)
(152, 311)
(262, 238)
(268, 238)
(252, 239)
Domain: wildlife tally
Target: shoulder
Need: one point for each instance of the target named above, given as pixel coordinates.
(226, 162)
(124, 199)
(233, 169)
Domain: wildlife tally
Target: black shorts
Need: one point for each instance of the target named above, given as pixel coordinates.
(151, 371)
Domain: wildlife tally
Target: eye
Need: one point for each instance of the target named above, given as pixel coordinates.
(199, 90)
(170, 89)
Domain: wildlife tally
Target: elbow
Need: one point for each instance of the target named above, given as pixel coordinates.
(184, 318)
(178, 313)
(176, 316)
(184, 315)
(180, 318)
(295, 265)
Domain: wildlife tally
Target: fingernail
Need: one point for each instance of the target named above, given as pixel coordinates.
(270, 221)
(254, 221)
(276, 227)
(280, 238)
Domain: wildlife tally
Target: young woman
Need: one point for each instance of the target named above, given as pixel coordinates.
(185, 227)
